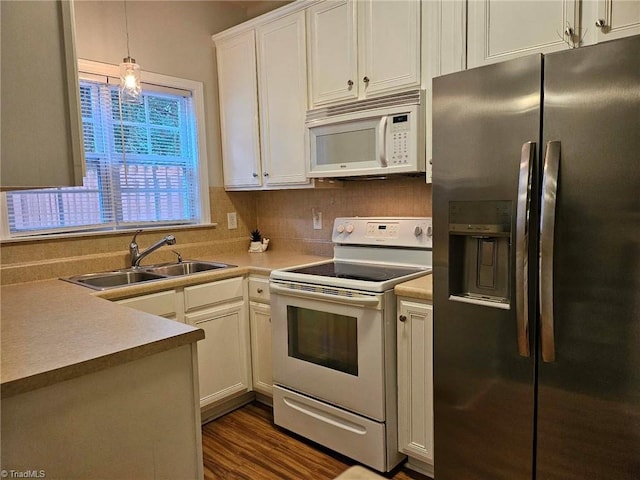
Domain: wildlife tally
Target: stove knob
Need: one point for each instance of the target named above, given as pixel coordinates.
(417, 231)
(340, 228)
(349, 228)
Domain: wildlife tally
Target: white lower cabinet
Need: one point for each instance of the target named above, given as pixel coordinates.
(224, 358)
(260, 319)
(415, 381)
(235, 355)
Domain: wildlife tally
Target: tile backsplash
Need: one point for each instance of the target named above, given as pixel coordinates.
(283, 216)
(286, 216)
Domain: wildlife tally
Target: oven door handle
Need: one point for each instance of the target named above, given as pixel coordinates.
(362, 301)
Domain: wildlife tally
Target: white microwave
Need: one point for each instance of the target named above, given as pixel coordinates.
(367, 138)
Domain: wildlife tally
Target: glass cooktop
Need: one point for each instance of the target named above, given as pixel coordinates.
(352, 271)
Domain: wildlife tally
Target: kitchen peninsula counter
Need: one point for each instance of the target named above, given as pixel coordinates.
(86, 381)
(54, 331)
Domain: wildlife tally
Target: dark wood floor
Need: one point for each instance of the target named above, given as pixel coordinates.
(245, 444)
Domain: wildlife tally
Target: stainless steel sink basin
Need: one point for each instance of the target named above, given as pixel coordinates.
(101, 281)
(185, 268)
(130, 276)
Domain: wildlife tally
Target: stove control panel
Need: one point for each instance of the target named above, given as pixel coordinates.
(382, 230)
(389, 231)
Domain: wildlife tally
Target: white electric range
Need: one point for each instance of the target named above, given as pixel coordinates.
(334, 337)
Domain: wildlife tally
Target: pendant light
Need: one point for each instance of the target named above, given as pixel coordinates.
(130, 88)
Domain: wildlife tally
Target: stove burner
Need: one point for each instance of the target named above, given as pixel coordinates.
(352, 271)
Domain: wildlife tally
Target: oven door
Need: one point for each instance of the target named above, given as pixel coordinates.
(330, 347)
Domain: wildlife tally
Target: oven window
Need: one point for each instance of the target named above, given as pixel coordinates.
(323, 338)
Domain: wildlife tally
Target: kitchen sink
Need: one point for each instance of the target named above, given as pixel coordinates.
(101, 281)
(131, 276)
(185, 268)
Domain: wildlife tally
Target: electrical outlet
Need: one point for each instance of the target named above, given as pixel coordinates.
(317, 219)
(232, 220)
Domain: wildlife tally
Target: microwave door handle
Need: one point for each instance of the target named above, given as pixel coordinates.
(382, 141)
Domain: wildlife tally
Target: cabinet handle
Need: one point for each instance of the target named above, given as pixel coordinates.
(366, 80)
(266, 174)
(255, 175)
(402, 318)
(260, 290)
(568, 32)
(600, 23)
(349, 84)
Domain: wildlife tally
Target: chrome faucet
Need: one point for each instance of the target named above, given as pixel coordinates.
(137, 256)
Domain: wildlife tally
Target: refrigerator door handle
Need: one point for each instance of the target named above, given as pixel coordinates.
(547, 226)
(522, 247)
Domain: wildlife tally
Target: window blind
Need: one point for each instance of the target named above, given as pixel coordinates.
(141, 167)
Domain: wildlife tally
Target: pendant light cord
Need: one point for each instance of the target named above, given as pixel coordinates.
(122, 139)
(126, 26)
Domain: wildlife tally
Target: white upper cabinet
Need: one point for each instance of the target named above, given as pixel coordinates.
(615, 19)
(262, 81)
(332, 58)
(362, 48)
(239, 110)
(389, 40)
(41, 144)
(499, 30)
(282, 86)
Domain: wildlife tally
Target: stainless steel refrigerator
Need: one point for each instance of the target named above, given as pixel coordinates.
(536, 210)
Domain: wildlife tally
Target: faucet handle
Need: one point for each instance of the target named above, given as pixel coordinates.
(179, 256)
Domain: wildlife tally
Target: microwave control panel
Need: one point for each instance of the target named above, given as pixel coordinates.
(399, 128)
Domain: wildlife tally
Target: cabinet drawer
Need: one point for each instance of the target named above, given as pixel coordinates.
(212, 293)
(259, 289)
(161, 303)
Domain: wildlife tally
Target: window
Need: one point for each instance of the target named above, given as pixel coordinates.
(142, 167)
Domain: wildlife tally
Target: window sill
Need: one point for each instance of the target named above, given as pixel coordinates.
(102, 233)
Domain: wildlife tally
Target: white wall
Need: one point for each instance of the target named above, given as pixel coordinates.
(168, 37)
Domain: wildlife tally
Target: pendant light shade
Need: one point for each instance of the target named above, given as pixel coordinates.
(130, 87)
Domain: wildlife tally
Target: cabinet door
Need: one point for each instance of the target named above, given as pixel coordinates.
(260, 318)
(223, 356)
(282, 85)
(415, 380)
(333, 68)
(499, 30)
(616, 19)
(389, 45)
(239, 110)
(41, 144)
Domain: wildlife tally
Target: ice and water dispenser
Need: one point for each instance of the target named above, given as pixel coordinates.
(479, 252)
